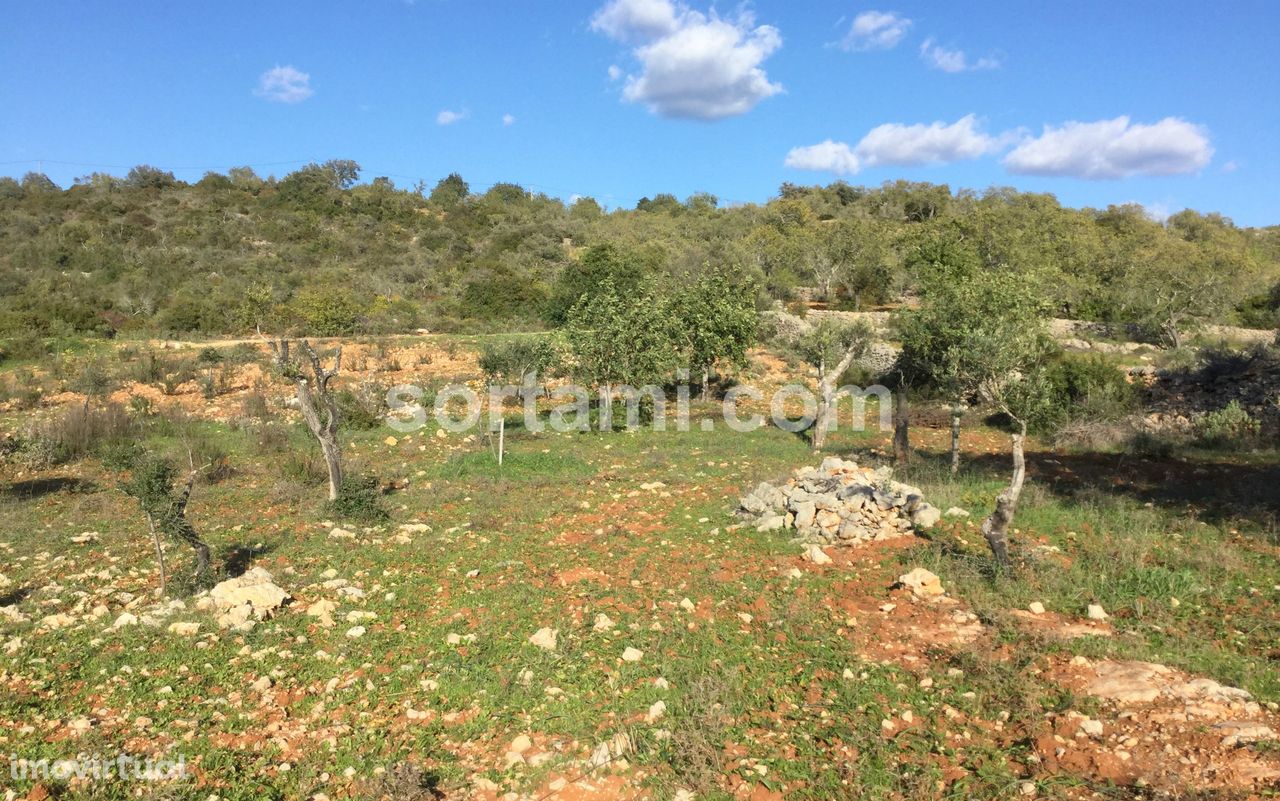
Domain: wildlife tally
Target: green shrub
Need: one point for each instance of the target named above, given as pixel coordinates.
(359, 499)
(1230, 425)
(362, 408)
(1083, 389)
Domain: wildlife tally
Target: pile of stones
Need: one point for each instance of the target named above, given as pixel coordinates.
(839, 503)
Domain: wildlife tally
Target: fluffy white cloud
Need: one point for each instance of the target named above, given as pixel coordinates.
(1110, 149)
(615, 72)
(636, 20)
(448, 117)
(284, 85)
(508, 119)
(876, 30)
(941, 58)
(828, 156)
(694, 65)
(898, 144)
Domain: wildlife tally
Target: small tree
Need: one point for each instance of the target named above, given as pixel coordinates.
(1018, 398)
(831, 347)
(716, 321)
(152, 484)
(974, 330)
(517, 360)
(618, 340)
(315, 397)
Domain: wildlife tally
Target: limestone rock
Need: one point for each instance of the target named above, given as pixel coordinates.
(815, 554)
(922, 583)
(545, 638)
(250, 597)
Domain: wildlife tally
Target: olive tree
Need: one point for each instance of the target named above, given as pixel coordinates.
(152, 485)
(831, 347)
(315, 398)
(973, 330)
(716, 323)
(616, 339)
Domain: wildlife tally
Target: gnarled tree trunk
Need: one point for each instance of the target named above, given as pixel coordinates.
(901, 427)
(996, 527)
(827, 381)
(317, 402)
(956, 411)
(186, 532)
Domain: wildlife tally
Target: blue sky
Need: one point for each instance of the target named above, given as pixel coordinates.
(1175, 103)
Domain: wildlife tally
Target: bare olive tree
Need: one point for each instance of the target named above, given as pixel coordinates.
(832, 348)
(152, 484)
(316, 400)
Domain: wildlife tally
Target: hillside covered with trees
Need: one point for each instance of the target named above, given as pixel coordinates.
(317, 252)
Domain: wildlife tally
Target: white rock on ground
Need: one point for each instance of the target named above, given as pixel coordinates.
(322, 611)
(1096, 612)
(1036, 608)
(247, 598)
(815, 554)
(922, 583)
(545, 638)
(656, 711)
(632, 654)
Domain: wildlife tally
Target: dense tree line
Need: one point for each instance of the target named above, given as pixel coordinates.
(317, 252)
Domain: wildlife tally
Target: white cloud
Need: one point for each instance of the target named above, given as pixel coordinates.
(636, 20)
(284, 85)
(1110, 149)
(828, 156)
(615, 72)
(448, 117)
(508, 119)
(941, 58)
(898, 144)
(875, 30)
(1230, 166)
(695, 65)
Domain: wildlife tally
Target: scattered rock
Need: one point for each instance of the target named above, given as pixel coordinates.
(125, 619)
(1036, 608)
(184, 629)
(245, 599)
(815, 554)
(545, 638)
(1236, 732)
(922, 583)
(521, 744)
(356, 632)
(956, 511)
(656, 711)
(632, 654)
(322, 611)
(1096, 612)
(603, 623)
(57, 621)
